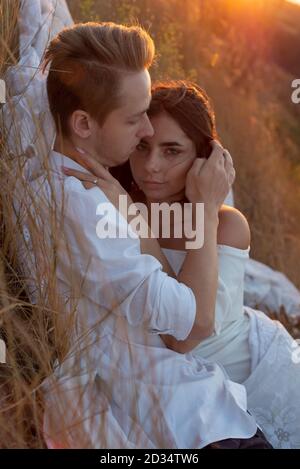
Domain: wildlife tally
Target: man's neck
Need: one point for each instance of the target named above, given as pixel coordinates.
(67, 148)
(63, 146)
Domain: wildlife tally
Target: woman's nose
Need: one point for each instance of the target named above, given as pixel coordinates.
(152, 163)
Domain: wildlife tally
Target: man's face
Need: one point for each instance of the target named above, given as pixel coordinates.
(124, 127)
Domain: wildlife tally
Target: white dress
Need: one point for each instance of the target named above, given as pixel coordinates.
(254, 350)
(120, 386)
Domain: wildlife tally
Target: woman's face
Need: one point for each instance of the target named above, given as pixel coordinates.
(160, 163)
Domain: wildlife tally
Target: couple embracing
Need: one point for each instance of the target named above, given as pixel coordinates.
(163, 354)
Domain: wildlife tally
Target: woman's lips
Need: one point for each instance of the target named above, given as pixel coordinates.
(152, 182)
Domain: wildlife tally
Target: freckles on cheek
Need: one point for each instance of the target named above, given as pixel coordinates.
(177, 177)
(179, 171)
(180, 168)
(138, 166)
(137, 170)
(177, 182)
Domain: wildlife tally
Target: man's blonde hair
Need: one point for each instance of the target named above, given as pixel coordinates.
(87, 62)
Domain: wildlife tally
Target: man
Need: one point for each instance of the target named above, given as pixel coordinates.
(120, 385)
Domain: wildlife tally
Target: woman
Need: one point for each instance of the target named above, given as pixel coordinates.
(253, 349)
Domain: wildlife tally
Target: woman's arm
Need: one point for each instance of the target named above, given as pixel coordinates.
(233, 230)
(200, 272)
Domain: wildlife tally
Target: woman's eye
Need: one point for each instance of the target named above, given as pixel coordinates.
(172, 151)
(141, 147)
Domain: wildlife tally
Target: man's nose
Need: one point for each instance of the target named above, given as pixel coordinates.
(146, 129)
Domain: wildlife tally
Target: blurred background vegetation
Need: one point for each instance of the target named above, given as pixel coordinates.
(245, 54)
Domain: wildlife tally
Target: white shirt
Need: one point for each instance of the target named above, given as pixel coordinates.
(229, 345)
(156, 397)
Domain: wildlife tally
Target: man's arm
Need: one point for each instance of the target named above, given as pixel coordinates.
(174, 300)
(112, 272)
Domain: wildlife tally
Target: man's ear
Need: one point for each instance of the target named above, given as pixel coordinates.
(81, 123)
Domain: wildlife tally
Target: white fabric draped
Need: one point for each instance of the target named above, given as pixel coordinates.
(254, 350)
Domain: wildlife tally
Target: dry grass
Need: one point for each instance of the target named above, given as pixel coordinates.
(34, 334)
(266, 190)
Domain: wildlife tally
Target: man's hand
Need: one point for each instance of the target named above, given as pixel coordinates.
(98, 176)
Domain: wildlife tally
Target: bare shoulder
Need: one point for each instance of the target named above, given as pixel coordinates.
(233, 228)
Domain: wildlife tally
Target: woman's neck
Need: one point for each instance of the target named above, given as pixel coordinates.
(171, 242)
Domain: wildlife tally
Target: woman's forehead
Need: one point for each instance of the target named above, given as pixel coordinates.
(167, 129)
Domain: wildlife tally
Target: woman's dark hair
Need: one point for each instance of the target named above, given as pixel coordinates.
(189, 106)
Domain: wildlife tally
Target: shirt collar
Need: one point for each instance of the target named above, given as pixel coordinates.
(57, 160)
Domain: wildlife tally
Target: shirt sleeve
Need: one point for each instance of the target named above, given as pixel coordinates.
(112, 272)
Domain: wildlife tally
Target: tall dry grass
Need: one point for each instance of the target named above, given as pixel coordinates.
(30, 311)
(250, 124)
(37, 319)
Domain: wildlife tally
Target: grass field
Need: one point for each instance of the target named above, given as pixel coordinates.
(244, 59)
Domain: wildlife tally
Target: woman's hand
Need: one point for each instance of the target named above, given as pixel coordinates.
(97, 176)
(209, 180)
